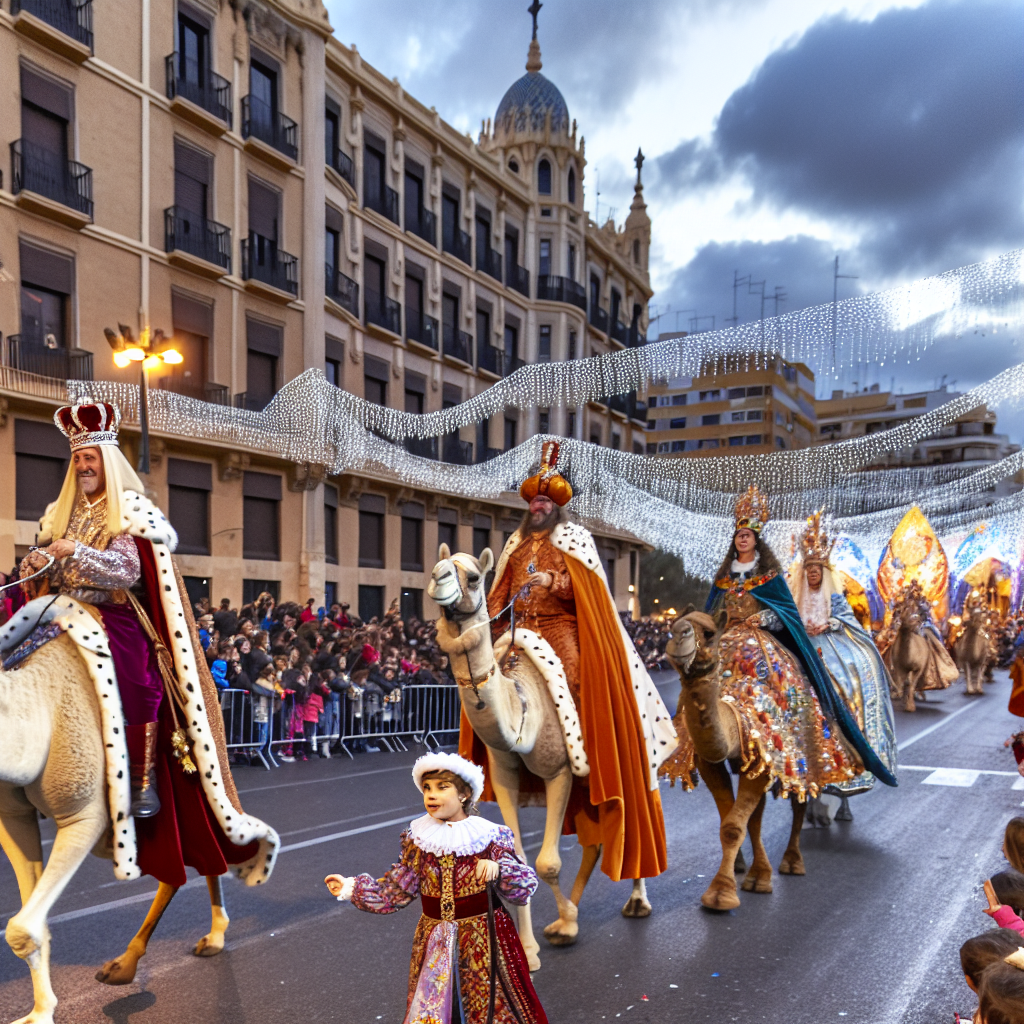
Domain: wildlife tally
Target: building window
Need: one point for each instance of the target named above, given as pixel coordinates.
(595, 435)
(481, 534)
(448, 528)
(40, 464)
(734, 441)
(511, 340)
(261, 496)
(188, 504)
(544, 344)
(678, 446)
(264, 344)
(46, 287)
(571, 185)
(735, 393)
(411, 604)
(330, 525)
(543, 420)
(572, 344)
(652, 449)
(251, 590)
(780, 442)
(412, 537)
(511, 426)
(449, 221)
(570, 427)
(780, 419)
(371, 603)
(544, 178)
(483, 328)
(371, 537)
(707, 442)
(332, 371)
(679, 399)
(754, 439)
(545, 257)
(737, 417)
(710, 420)
(636, 251)
(375, 380)
(663, 447)
(652, 424)
(332, 248)
(715, 395)
(755, 392)
(262, 96)
(616, 440)
(332, 135)
(754, 415)
(678, 423)
(572, 262)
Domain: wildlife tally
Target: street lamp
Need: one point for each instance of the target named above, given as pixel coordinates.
(149, 351)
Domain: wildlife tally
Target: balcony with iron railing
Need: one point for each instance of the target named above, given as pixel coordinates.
(260, 121)
(340, 288)
(638, 411)
(342, 163)
(37, 170)
(383, 311)
(263, 262)
(619, 332)
(424, 447)
(189, 80)
(422, 223)
(71, 17)
(486, 454)
(497, 361)
(459, 244)
(380, 197)
(32, 354)
(458, 344)
(553, 288)
(422, 329)
(517, 278)
(205, 239)
(489, 261)
(216, 394)
(635, 339)
(456, 451)
(598, 317)
(252, 401)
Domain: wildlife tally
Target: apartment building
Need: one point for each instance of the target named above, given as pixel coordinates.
(970, 442)
(732, 411)
(228, 173)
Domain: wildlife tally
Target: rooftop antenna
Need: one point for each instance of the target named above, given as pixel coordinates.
(534, 9)
(836, 276)
(597, 209)
(737, 281)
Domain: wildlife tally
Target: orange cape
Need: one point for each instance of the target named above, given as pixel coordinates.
(613, 806)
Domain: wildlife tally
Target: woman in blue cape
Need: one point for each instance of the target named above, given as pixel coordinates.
(768, 662)
(849, 653)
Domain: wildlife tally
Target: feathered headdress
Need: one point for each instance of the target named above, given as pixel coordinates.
(815, 543)
(548, 481)
(751, 510)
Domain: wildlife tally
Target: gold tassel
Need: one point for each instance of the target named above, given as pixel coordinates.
(179, 748)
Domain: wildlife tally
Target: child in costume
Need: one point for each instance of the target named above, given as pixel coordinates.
(467, 961)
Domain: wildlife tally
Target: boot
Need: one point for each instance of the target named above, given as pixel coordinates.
(142, 760)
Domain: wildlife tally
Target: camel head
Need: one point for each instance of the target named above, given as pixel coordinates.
(457, 583)
(693, 646)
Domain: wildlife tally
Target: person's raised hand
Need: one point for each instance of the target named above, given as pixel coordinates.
(541, 579)
(335, 883)
(61, 548)
(487, 870)
(993, 900)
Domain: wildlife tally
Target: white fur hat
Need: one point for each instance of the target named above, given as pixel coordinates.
(471, 774)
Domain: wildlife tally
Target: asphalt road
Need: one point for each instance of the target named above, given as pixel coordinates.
(869, 936)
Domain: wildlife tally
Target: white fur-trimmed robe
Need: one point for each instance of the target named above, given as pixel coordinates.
(141, 518)
(660, 739)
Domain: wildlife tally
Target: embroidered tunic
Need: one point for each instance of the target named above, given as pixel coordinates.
(101, 564)
(445, 879)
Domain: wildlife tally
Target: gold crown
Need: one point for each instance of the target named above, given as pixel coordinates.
(815, 543)
(751, 510)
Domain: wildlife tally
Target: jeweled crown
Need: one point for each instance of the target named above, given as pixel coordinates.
(751, 510)
(89, 424)
(815, 543)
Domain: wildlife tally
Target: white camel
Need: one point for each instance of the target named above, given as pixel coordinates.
(52, 762)
(513, 713)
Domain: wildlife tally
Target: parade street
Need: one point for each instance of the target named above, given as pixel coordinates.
(869, 936)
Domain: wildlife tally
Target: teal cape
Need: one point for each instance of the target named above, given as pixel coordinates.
(775, 594)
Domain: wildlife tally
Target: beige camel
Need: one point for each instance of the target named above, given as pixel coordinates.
(52, 762)
(714, 729)
(908, 659)
(973, 652)
(514, 714)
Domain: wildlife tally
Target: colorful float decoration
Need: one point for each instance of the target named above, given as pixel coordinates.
(914, 553)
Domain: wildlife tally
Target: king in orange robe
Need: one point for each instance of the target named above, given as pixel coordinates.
(627, 730)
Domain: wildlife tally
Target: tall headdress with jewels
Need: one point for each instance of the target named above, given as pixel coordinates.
(89, 424)
(815, 544)
(548, 481)
(751, 510)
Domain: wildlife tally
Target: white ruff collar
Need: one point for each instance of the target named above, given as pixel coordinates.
(471, 835)
(745, 568)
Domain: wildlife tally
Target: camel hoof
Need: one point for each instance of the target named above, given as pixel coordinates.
(720, 899)
(37, 1017)
(636, 906)
(757, 883)
(118, 972)
(562, 933)
(208, 946)
(533, 962)
(792, 866)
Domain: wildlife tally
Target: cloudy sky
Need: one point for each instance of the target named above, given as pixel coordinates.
(778, 133)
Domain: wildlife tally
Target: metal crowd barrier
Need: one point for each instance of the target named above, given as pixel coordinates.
(424, 714)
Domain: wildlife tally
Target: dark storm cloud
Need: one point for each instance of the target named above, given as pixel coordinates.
(907, 127)
(596, 51)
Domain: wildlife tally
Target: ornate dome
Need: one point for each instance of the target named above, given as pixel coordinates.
(526, 104)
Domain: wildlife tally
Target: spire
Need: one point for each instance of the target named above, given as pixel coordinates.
(533, 62)
(639, 161)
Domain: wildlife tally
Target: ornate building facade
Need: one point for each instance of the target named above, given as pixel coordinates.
(229, 173)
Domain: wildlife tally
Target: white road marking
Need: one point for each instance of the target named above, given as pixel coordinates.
(332, 778)
(963, 777)
(404, 820)
(977, 771)
(945, 720)
(1019, 784)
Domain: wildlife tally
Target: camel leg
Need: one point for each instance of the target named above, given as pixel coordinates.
(759, 877)
(504, 775)
(909, 686)
(638, 905)
(213, 943)
(792, 860)
(121, 970)
(588, 862)
(19, 839)
(563, 931)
